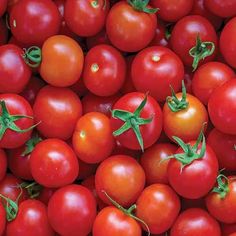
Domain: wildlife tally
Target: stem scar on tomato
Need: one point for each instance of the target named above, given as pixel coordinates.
(32, 56)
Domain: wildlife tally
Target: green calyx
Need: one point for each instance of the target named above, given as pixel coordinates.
(223, 186)
(200, 51)
(128, 212)
(7, 121)
(132, 121)
(95, 4)
(32, 56)
(33, 188)
(174, 103)
(30, 144)
(141, 5)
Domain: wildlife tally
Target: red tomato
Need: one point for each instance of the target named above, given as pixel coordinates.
(222, 107)
(228, 42)
(3, 166)
(33, 21)
(58, 109)
(188, 75)
(208, 77)
(3, 32)
(2, 219)
(158, 206)
(128, 29)
(72, 210)
(3, 6)
(228, 229)
(122, 178)
(233, 234)
(62, 61)
(161, 68)
(224, 148)
(104, 70)
(92, 16)
(13, 68)
(53, 163)
(195, 221)
(31, 220)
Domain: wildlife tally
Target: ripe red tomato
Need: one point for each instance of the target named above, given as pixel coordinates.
(195, 221)
(31, 220)
(2, 219)
(128, 29)
(62, 61)
(33, 21)
(208, 77)
(122, 178)
(92, 15)
(3, 32)
(3, 6)
(72, 210)
(53, 163)
(3, 166)
(104, 70)
(158, 206)
(222, 107)
(228, 229)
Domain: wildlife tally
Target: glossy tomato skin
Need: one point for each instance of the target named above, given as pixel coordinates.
(3, 32)
(187, 123)
(92, 16)
(195, 221)
(128, 29)
(72, 210)
(158, 206)
(155, 164)
(3, 166)
(13, 68)
(104, 70)
(223, 146)
(183, 37)
(31, 220)
(113, 222)
(53, 163)
(161, 68)
(122, 178)
(58, 109)
(222, 107)
(2, 219)
(17, 105)
(208, 77)
(32, 22)
(92, 139)
(149, 132)
(193, 181)
(228, 42)
(62, 61)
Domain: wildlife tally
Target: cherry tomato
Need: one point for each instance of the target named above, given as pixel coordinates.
(72, 210)
(3, 166)
(2, 219)
(228, 229)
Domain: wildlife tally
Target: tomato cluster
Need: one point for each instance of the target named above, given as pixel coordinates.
(117, 117)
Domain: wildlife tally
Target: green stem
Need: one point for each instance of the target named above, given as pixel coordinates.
(33, 56)
(30, 144)
(141, 5)
(223, 186)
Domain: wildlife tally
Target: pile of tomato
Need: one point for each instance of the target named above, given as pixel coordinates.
(117, 117)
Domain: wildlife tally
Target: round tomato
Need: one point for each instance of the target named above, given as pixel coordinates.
(161, 68)
(53, 163)
(2, 219)
(72, 210)
(131, 28)
(62, 61)
(158, 206)
(3, 166)
(222, 107)
(228, 229)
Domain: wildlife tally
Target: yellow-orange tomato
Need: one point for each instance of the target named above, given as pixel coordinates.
(62, 61)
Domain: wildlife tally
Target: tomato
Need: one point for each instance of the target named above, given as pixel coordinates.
(208, 77)
(45, 195)
(3, 32)
(173, 10)
(233, 234)
(155, 164)
(222, 107)
(72, 210)
(122, 178)
(31, 220)
(58, 109)
(188, 76)
(128, 29)
(92, 16)
(194, 33)
(3, 166)
(228, 229)
(2, 219)
(195, 221)
(104, 70)
(228, 42)
(33, 21)
(161, 68)
(53, 163)
(146, 114)
(62, 61)
(120, 225)
(223, 146)
(13, 68)
(158, 206)
(16, 120)
(3, 7)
